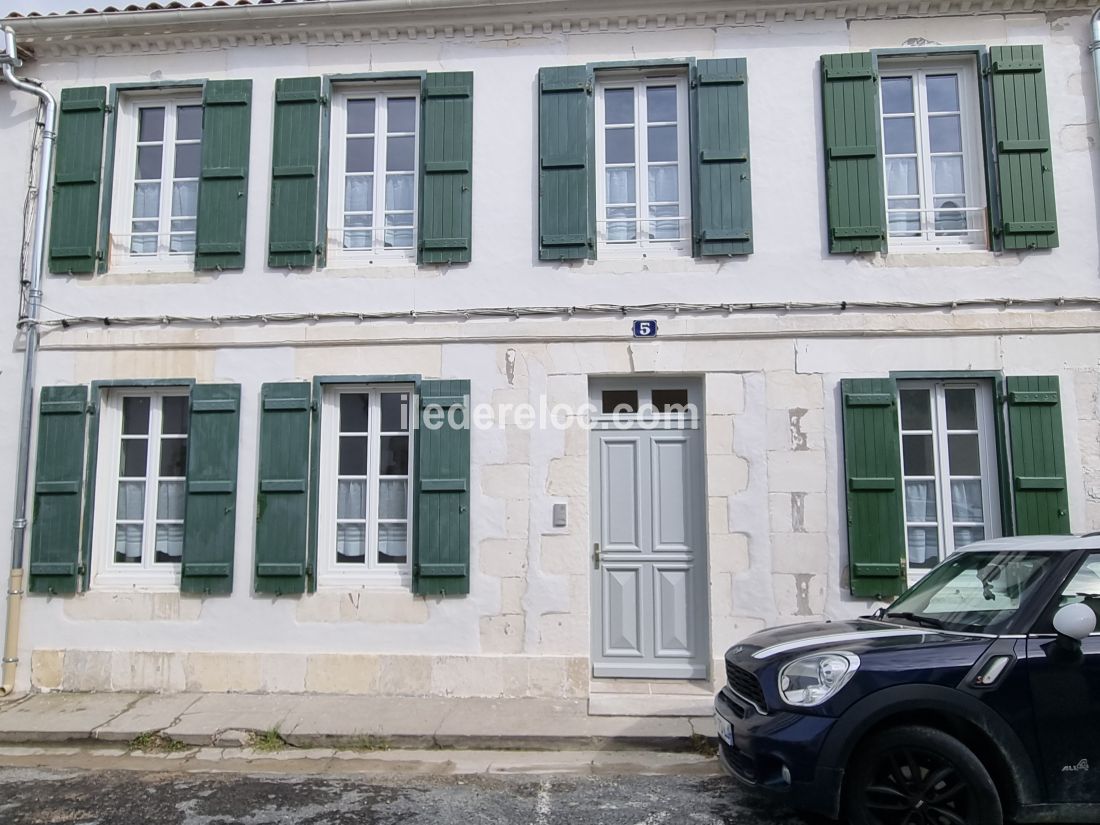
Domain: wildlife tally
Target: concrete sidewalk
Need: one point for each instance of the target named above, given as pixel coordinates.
(235, 719)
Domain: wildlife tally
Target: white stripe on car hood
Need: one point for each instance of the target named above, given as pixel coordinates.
(835, 639)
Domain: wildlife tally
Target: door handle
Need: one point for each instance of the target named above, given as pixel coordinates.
(596, 555)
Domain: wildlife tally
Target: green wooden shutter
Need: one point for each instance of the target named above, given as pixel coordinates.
(855, 193)
(58, 483)
(223, 187)
(446, 156)
(872, 467)
(1038, 455)
(209, 527)
(282, 510)
(1025, 174)
(722, 221)
(292, 234)
(77, 180)
(566, 182)
(442, 564)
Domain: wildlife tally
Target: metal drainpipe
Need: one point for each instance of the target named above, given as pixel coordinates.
(8, 60)
(1094, 50)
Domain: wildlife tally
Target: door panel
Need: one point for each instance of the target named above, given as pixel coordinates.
(622, 518)
(672, 597)
(623, 617)
(670, 492)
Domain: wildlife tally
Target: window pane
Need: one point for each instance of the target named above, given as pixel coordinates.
(182, 244)
(662, 143)
(135, 415)
(949, 214)
(398, 238)
(966, 500)
(897, 95)
(183, 224)
(351, 544)
(353, 456)
(924, 546)
(360, 154)
(901, 176)
(947, 175)
(392, 543)
(359, 193)
(619, 146)
(144, 244)
(169, 543)
(393, 498)
(134, 453)
(128, 543)
(173, 457)
(189, 123)
(945, 133)
(661, 104)
(943, 93)
(354, 412)
(395, 412)
(670, 400)
(149, 162)
(618, 105)
(358, 240)
(964, 455)
(361, 117)
(619, 401)
(170, 500)
(962, 409)
(399, 192)
(624, 230)
(187, 160)
(664, 230)
(394, 457)
(899, 136)
(920, 501)
(147, 201)
(351, 499)
(620, 186)
(401, 112)
(664, 184)
(917, 455)
(400, 153)
(185, 198)
(968, 535)
(131, 501)
(916, 409)
(151, 124)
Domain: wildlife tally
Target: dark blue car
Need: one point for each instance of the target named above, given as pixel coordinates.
(974, 698)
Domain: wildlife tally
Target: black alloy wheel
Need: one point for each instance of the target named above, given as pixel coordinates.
(919, 776)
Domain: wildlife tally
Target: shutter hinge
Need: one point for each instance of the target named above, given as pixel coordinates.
(81, 569)
(109, 109)
(313, 405)
(309, 570)
(99, 254)
(324, 100)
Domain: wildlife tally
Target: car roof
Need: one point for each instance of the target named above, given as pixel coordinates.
(1063, 544)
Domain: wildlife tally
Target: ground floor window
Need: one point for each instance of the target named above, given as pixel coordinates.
(949, 468)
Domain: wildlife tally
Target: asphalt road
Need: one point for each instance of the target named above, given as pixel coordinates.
(33, 796)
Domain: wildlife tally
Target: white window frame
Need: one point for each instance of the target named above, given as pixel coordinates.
(644, 247)
(107, 573)
(987, 457)
(973, 152)
(122, 193)
(330, 573)
(337, 255)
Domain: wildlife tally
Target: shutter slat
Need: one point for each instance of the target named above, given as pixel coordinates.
(78, 162)
(855, 194)
(223, 186)
(722, 205)
(566, 180)
(1025, 174)
(872, 465)
(442, 563)
(292, 231)
(209, 526)
(59, 474)
(446, 151)
(1036, 446)
(282, 512)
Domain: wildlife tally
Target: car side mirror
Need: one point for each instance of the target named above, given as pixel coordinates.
(1075, 621)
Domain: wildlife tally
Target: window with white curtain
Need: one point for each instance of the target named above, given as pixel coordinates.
(141, 486)
(949, 468)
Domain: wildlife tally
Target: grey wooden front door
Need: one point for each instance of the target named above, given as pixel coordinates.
(649, 571)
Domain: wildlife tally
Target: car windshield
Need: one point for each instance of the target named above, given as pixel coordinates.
(976, 591)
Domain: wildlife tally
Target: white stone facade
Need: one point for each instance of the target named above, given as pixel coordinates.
(774, 458)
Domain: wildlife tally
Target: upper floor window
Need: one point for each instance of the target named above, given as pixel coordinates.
(156, 186)
(643, 182)
(373, 185)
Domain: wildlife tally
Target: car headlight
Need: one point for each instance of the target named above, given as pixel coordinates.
(811, 680)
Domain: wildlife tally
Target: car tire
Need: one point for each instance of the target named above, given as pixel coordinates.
(919, 776)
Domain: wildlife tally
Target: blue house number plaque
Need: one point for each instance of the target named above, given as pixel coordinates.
(645, 329)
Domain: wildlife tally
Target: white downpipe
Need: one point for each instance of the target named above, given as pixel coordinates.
(29, 321)
(1094, 50)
